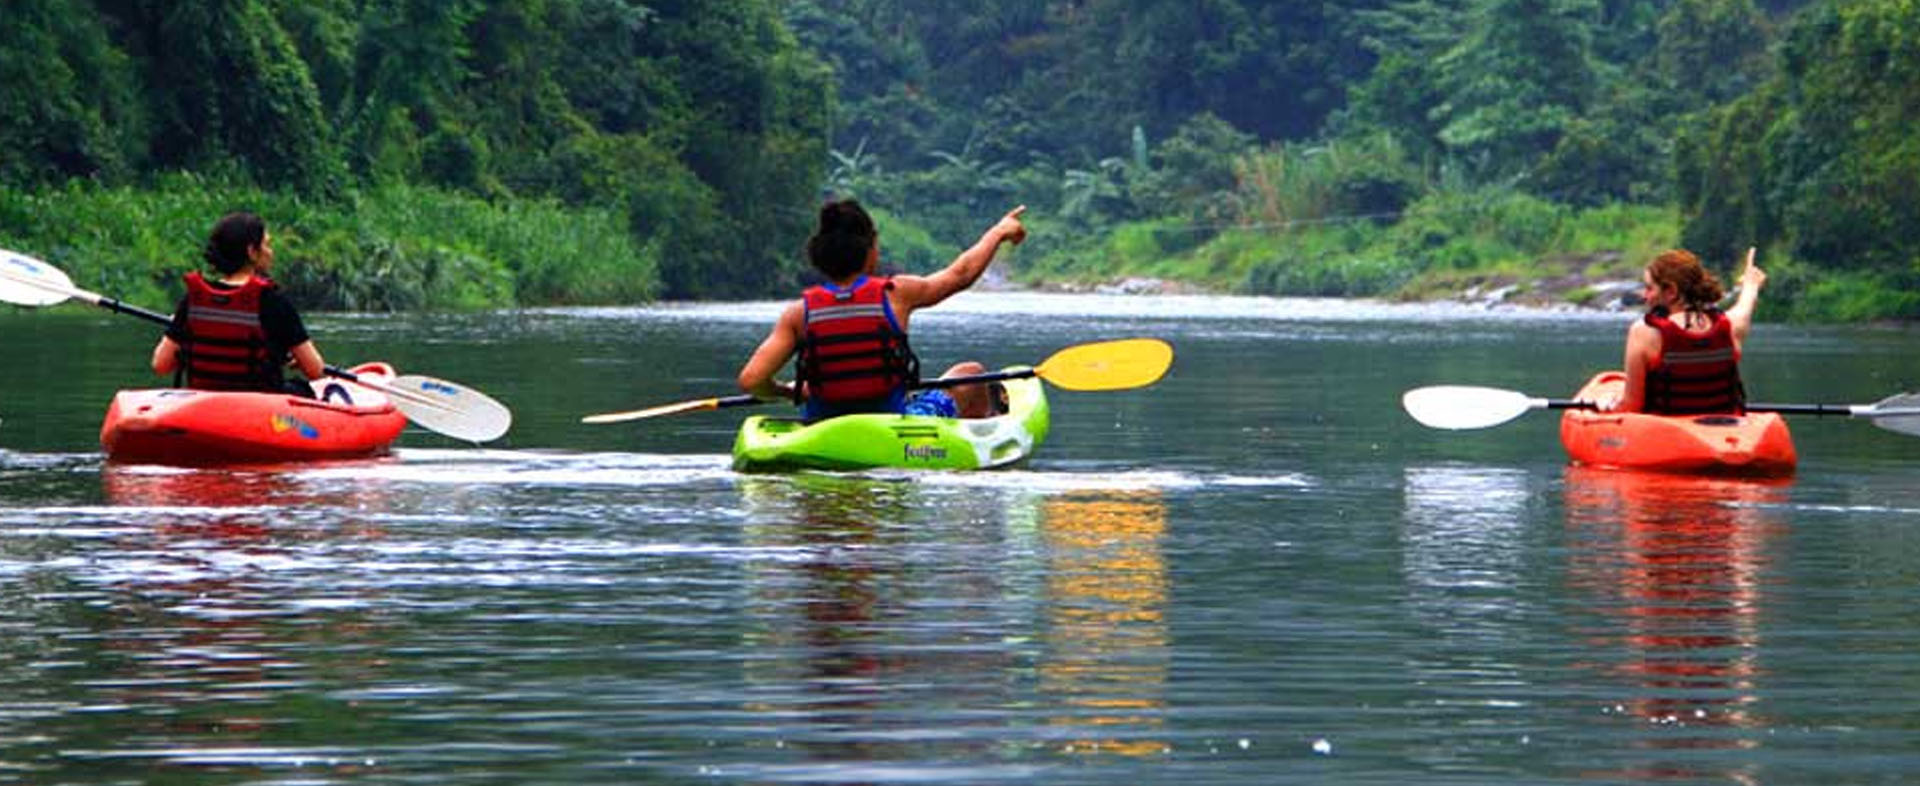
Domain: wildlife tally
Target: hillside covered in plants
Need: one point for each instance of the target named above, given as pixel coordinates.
(466, 154)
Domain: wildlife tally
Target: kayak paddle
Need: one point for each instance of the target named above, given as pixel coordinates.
(1467, 407)
(1102, 365)
(435, 404)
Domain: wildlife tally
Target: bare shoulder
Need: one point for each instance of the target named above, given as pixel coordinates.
(909, 287)
(790, 324)
(1640, 334)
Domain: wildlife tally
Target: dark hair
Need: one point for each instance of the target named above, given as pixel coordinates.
(840, 244)
(1680, 269)
(232, 235)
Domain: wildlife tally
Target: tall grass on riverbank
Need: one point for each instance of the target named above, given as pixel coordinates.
(386, 248)
(1441, 243)
(1444, 244)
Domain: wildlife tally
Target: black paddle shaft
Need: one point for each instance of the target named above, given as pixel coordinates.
(1784, 409)
(1803, 409)
(993, 376)
(116, 306)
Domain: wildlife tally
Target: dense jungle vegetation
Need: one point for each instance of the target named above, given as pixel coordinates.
(460, 153)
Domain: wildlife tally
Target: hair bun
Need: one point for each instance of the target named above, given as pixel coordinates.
(837, 217)
(843, 240)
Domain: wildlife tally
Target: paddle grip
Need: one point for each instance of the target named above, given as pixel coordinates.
(1569, 403)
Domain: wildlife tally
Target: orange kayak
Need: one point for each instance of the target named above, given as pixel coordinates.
(1756, 443)
(207, 428)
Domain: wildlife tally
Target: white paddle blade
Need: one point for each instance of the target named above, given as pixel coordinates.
(450, 408)
(1458, 407)
(25, 281)
(1899, 413)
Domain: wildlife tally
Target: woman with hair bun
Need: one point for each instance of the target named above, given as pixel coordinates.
(234, 330)
(1684, 356)
(850, 333)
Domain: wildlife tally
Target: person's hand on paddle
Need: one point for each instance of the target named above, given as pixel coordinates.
(1606, 403)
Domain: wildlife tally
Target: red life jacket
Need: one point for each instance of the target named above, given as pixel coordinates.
(1694, 373)
(853, 349)
(226, 348)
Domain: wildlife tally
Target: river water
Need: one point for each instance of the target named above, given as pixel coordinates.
(1258, 570)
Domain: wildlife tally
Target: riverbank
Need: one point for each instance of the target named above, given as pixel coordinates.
(1487, 247)
(1588, 283)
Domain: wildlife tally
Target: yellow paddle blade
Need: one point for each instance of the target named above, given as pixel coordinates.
(1108, 365)
(653, 412)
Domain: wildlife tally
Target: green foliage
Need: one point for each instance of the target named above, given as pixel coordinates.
(908, 247)
(1515, 83)
(704, 125)
(1449, 237)
(1848, 159)
(1801, 292)
(1630, 233)
(1313, 275)
(1361, 178)
(1822, 156)
(1720, 177)
(69, 108)
(1192, 168)
(1402, 96)
(391, 248)
(233, 89)
(450, 157)
(1363, 146)
(1707, 51)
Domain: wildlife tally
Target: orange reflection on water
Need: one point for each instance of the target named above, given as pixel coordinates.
(1677, 568)
(1106, 631)
(200, 622)
(186, 500)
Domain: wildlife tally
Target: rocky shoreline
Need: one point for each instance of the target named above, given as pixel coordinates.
(1570, 292)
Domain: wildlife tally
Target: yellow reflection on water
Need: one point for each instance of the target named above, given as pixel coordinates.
(1105, 657)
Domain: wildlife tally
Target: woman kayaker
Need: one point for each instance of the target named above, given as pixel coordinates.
(851, 333)
(234, 330)
(1683, 357)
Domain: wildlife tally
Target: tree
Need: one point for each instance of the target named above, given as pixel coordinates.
(1823, 154)
(69, 108)
(1516, 82)
(225, 83)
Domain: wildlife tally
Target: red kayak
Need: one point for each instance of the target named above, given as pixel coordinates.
(206, 428)
(1756, 443)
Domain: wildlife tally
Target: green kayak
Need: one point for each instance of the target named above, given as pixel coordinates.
(856, 442)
